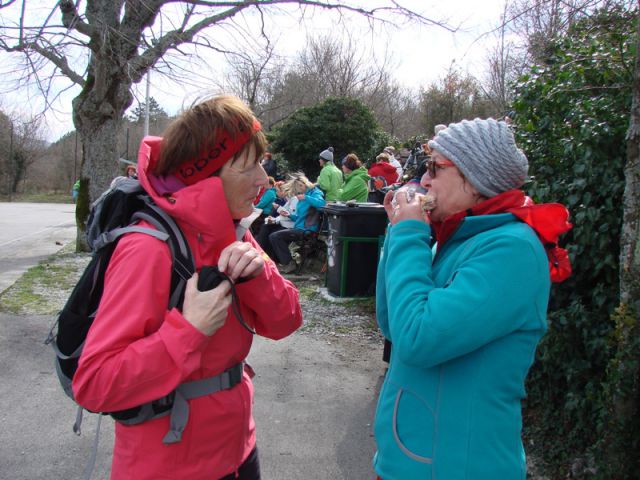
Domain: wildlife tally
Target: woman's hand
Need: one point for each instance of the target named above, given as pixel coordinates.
(401, 209)
(240, 259)
(207, 310)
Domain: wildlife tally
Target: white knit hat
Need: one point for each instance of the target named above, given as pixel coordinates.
(486, 154)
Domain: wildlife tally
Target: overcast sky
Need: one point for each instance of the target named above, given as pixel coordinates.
(420, 54)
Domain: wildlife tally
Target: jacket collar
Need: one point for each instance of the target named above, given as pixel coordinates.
(202, 206)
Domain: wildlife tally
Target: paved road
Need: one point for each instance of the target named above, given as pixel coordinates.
(30, 232)
(314, 405)
(314, 402)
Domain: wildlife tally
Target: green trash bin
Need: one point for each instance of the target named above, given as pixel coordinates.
(354, 237)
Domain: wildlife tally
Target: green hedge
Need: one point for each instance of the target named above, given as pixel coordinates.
(572, 114)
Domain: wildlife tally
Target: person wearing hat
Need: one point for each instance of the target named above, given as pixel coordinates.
(391, 151)
(466, 317)
(330, 178)
(382, 174)
(205, 173)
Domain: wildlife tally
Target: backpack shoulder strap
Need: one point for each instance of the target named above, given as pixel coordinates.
(183, 264)
(113, 235)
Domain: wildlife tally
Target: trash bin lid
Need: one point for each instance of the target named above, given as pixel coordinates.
(363, 208)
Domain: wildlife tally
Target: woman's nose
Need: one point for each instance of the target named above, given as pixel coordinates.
(425, 181)
(262, 178)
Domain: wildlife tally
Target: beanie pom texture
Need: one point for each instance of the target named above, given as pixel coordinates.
(485, 152)
(327, 155)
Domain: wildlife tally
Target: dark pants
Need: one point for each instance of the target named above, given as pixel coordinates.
(280, 243)
(263, 237)
(249, 470)
(257, 225)
(386, 352)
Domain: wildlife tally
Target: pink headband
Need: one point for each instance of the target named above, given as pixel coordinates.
(225, 147)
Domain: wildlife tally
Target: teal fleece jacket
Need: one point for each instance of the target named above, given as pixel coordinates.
(464, 327)
(312, 198)
(266, 201)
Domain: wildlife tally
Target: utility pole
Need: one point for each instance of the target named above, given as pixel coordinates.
(75, 159)
(11, 162)
(146, 105)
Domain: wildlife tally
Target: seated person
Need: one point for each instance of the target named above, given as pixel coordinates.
(280, 218)
(391, 151)
(281, 198)
(268, 197)
(265, 204)
(382, 174)
(310, 198)
(355, 180)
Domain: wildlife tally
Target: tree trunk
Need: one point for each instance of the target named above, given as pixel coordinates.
(630, 238)
(98, 113)
(622, 436)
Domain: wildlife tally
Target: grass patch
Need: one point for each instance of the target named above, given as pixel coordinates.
(43, 289)
(308, 292)
(44, 197)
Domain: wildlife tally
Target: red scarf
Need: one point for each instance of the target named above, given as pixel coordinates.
(548, 220)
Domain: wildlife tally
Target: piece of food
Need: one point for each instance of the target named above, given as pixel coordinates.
(428, 202)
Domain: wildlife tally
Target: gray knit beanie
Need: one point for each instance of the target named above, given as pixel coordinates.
(327, 155)
(486, 154)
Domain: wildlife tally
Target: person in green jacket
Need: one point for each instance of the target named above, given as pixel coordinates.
(356, 180)
(465, 317)
(330, 179)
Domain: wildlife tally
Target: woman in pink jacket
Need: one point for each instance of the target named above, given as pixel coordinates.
(205, 173)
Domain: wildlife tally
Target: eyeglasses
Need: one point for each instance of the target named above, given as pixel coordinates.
(434, 165)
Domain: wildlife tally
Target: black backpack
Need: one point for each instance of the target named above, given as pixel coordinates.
(115, 213)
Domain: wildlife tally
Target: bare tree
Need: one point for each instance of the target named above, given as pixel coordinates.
(454, 97)
(540, 22)
(251, 73)
(112, 44)
(505, 63)
(20, 146)
(325, 67)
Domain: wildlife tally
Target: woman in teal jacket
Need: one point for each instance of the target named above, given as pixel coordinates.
(268, 197)
(464, 318)
(355, 180)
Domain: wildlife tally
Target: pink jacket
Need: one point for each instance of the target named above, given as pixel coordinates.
(137, 351)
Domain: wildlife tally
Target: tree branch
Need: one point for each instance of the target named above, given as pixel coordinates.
(142, 63)
(72, 19)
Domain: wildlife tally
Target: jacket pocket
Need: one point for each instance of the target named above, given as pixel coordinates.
(414, 426)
